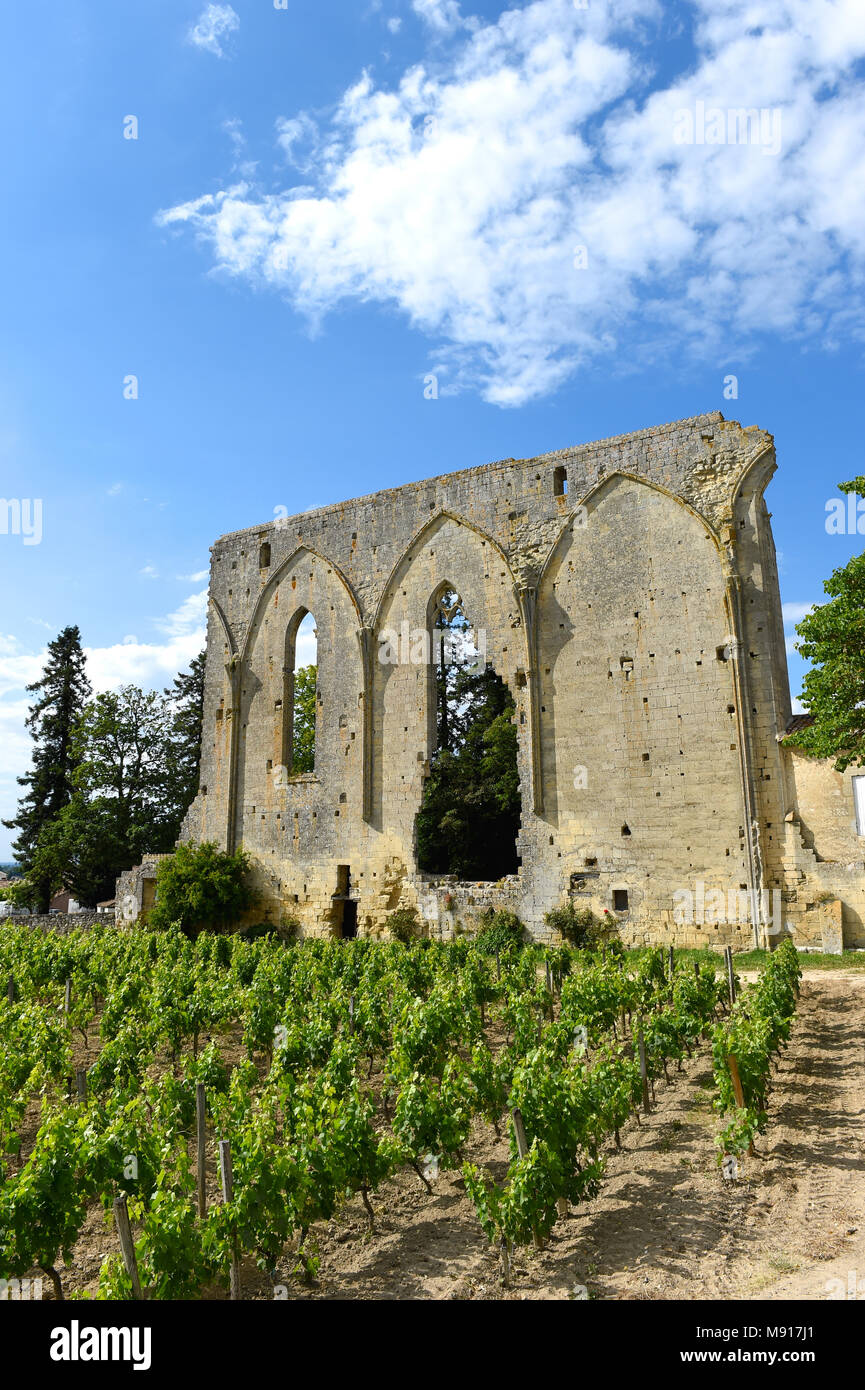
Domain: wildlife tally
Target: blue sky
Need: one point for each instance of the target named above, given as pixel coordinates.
(327, 202)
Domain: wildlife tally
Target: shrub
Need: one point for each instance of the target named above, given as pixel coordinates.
(499, 929)
(403, 925)
(199, 887)
(578, 925)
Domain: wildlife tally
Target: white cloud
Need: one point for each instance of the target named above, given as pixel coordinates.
(189, 617)
(197, 578)
(306, 646)
(460, 195)
(149, 572)
(115, 489)
(441, 15)
(214, 22)
(795, 612)
(394, 24)
(299, 140)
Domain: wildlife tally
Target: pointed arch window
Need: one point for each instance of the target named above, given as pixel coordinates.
(300, 699)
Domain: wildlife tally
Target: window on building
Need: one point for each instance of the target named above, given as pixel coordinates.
(300, 695)
(560, 482)
(620, 899)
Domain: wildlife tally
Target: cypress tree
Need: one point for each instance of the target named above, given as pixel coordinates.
(61, 694)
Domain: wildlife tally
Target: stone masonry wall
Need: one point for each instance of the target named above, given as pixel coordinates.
(627, 593)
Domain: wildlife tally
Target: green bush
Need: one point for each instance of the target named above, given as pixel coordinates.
(403, 925)
(201, 887)
(499, 929)
(579, 926)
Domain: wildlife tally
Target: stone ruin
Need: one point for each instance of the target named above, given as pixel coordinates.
(627, 593)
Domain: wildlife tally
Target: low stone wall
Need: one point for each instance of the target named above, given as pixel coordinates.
(449, 906)
(61, 922)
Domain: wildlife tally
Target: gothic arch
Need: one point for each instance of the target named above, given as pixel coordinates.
(276, 578)
(595, 494)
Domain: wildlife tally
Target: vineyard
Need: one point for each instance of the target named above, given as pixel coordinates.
(131, 1065)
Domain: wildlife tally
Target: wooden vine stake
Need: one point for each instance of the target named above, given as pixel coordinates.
(67, 998)
(201, 1126)
(505, 1256)
(127, 1246)
(644, 1070)
(731, 978)
(227, 1194)
(81, 1083)
(733, 1064)
(671, 961)
(522, 1150)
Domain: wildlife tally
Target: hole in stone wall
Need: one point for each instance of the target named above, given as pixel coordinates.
(626, 830)
(470, 813)
(560, 482)
(300, 678)
(620, 900)
(264, 556)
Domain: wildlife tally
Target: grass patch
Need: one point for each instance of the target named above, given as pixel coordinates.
(753, 960)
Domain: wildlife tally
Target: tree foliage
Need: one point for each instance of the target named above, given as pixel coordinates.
(832, 639)
(61, 693)
(183, 750)
(133, 759)
(303, 743)
(470, 816)
(201, 886)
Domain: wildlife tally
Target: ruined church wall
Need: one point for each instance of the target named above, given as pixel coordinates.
(671, 551)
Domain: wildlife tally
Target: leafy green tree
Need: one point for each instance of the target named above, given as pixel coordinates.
(201, 886)
(61, 693)
(470, 816)
(303, 746)
(123, 806)
(85, 848)
(832, 639)
(183, 751)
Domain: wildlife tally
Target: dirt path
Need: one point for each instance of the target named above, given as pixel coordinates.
(665, 1225)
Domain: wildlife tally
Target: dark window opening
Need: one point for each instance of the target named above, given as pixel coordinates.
(560, 482)
(469, 818)
(344, 906)
(620, 900)
(626, 830)
(264, 556)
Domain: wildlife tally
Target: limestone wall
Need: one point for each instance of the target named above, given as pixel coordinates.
(627, 593)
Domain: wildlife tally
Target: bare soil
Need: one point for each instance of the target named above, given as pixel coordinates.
(666, 1224)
